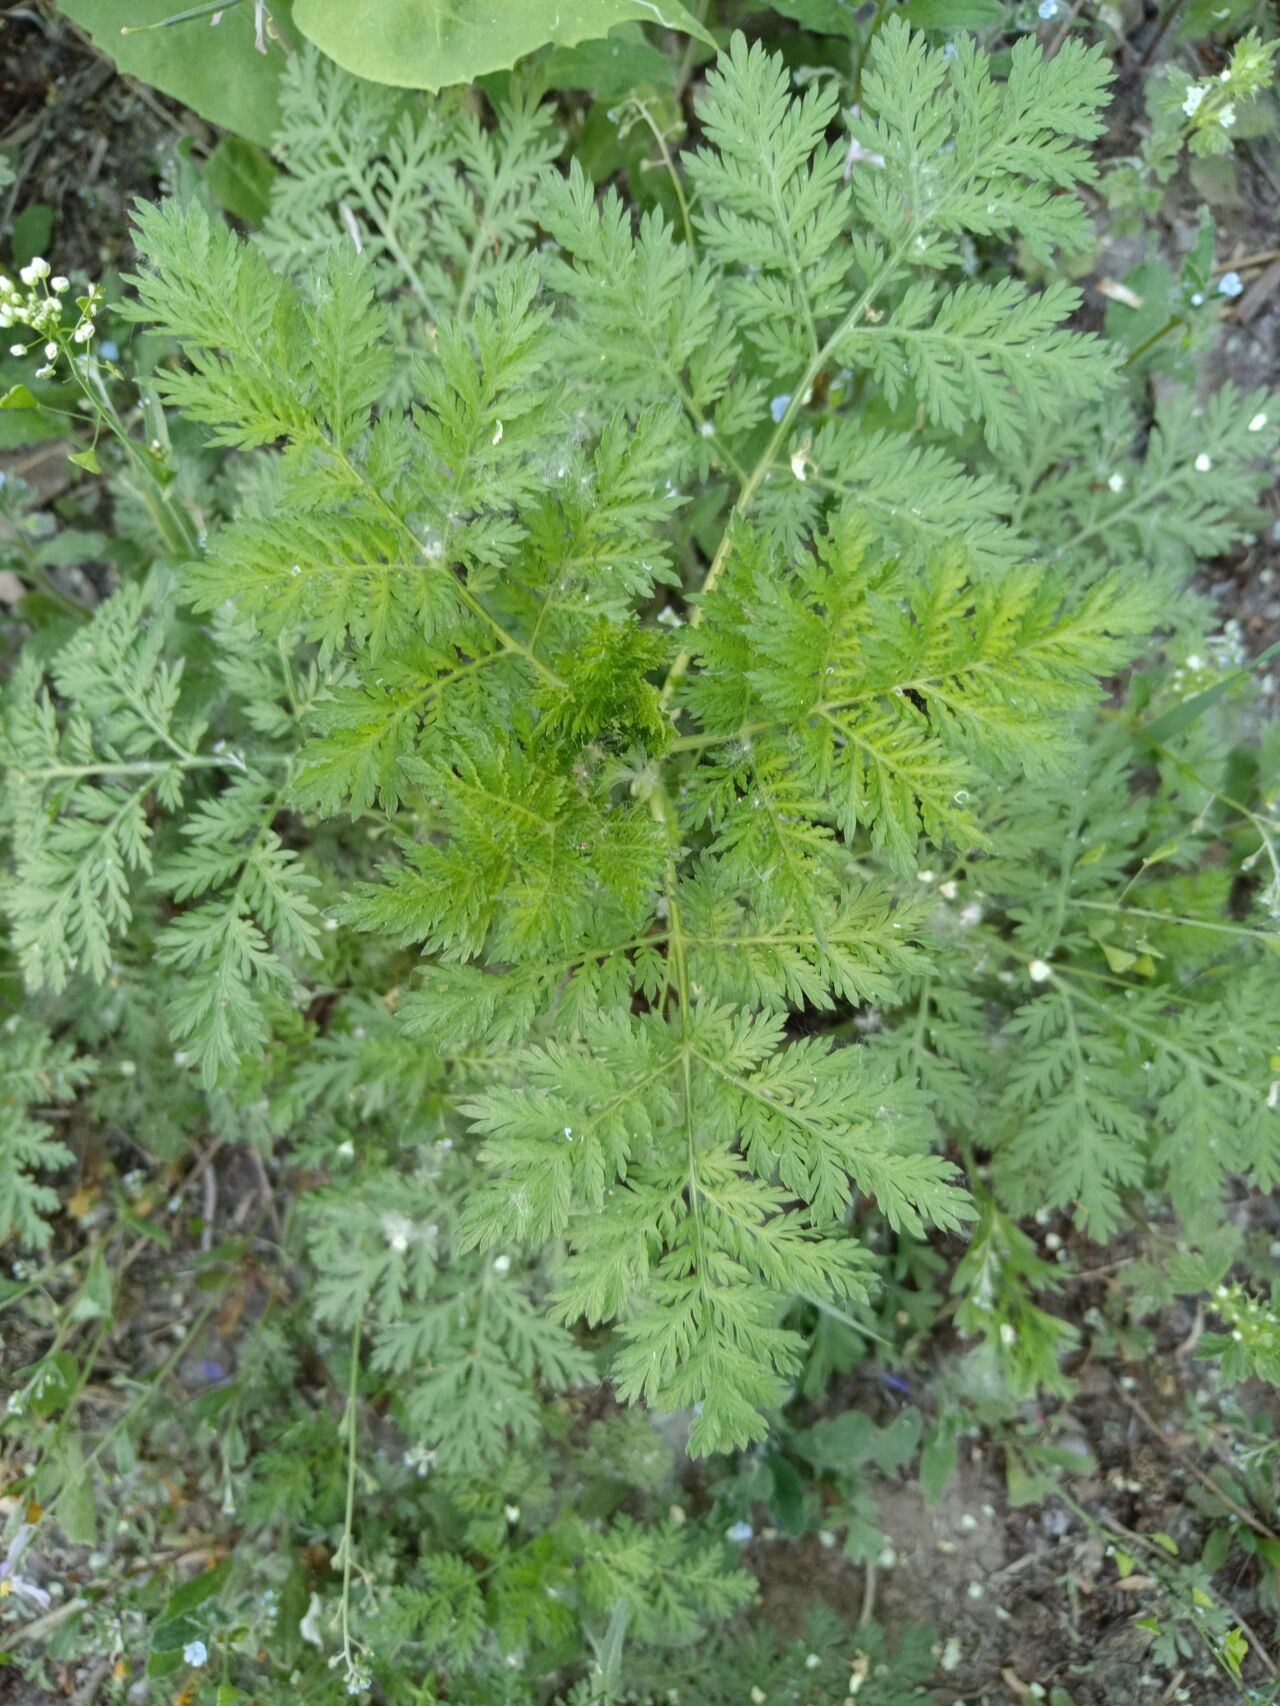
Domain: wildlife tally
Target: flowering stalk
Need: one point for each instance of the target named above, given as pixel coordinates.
(36, 302)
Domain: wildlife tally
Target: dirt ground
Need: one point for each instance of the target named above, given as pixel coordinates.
(1023, 1600)
(1031, 1599)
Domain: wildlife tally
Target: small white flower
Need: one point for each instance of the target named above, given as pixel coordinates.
(740, 1533)
(1195, 94)
(83, 332)
(17, 349)
(707, 430)
(396, 1229)
(196, 1654)
(1047, 9)
(1197, 299)
(1195, 663)
(497, 434)
(1039, 971)
(971, 914)
(1230, 284)
(758, 1695)
(60, 284)
(1203, 463)
(10, 1580)
(50, 350)
(1116, 483)
(1008, 1333)
(812, 1661)
(309, 1626)
(1227, 117)
(512, 1514)
(1257, 423)
(45, 372)
(34, 269)
(502, 1264)
(948, 890)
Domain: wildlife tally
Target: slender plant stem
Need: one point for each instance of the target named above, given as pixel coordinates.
(1149, 343)
(351, 1434)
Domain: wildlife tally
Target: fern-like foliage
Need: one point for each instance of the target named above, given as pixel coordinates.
(638, 686)
(435, 200)
(95, 747)
(1094, 503)
(34, 1072)
(463, 1337)
(80, 787)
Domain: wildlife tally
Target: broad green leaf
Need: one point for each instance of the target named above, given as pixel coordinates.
(938, 1461)
(240, 176)
(612, 69)
(214, 68)
(30, 234)
(187, 1596)
(1191, 710)
(824, 17)
(74, 1510)
(428, 44)
(952, 14)
(174, 1633)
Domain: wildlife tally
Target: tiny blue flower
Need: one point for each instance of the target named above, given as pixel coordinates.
(195, 1653)
(778, 407)
(1230, 284)
(740, 1533)
(108, 350)
(1048, 9)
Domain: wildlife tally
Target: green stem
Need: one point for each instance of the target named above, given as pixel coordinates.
(351, 1436)
(669, 163)
(1268, 937)
(507, 640)
(1149, 343)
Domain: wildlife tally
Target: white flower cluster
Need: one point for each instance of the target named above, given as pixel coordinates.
(35, 301)
(1249, 72)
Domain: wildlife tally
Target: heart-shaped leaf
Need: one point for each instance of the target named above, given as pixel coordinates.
(428, 44)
